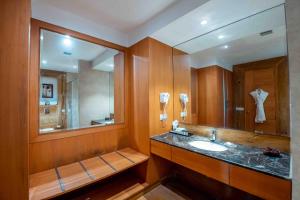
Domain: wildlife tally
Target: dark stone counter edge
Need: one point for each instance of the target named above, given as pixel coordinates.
(227, 161)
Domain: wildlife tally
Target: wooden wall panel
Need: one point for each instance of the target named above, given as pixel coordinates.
(160, 80)
(283, 98)
(228, 98)
(182, 84)
(119, 92)
(194, 95)
(53, 153)
(210, 96)
(238, 98)
(139, 64)
(151, 74)
(14, 120)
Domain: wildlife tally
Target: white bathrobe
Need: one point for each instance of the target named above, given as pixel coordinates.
(259, 96)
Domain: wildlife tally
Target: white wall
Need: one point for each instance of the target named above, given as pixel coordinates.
(94, 98)
(293, 30)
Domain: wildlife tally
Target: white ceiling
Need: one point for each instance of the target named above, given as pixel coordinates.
(256, 24)
(122, 22)
(125, 22)
(247, 49)
(243, 41)
(117, 14)
(59, 56)
(218, 13)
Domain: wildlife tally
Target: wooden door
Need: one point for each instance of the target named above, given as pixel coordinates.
(264, 79)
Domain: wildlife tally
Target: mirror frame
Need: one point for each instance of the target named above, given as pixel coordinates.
(34, 86)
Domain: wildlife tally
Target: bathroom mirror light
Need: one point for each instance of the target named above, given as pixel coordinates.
(67, 41)
(203, 22)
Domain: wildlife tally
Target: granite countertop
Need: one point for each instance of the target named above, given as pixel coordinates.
(245, 156)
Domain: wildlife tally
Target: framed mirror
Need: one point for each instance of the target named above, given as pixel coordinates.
(81, 84)
(238, 75)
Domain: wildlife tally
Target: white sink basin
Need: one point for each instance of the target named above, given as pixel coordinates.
(209, 146)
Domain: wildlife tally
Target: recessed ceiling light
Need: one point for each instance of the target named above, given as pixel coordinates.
(220, 36)
(44, 62)
(75, 66)
(226, 47)
(203, 22)
(67, 41)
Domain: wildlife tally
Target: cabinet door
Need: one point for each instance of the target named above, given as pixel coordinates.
(261, 185)
(161, 149)
(209, 167)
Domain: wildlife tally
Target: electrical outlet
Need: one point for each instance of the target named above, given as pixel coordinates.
(163, 117)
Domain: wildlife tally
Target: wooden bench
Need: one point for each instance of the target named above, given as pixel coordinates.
(63, 179)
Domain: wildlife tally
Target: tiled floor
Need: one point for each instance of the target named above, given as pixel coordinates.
(161, 193)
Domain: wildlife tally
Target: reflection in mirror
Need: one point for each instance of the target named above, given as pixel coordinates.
(239, 75)
(81, 83)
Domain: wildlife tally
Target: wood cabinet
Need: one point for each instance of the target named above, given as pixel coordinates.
(210, 167)
(259, 184)
(161, 149)
(256, 183)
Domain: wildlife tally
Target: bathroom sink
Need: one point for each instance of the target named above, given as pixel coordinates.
(209, 146)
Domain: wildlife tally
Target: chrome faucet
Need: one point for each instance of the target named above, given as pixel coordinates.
(213, 135)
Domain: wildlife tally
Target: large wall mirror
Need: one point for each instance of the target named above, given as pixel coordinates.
(239, 75)
(81, 83)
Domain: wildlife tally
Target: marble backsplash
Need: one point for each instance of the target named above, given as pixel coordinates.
(243, 137)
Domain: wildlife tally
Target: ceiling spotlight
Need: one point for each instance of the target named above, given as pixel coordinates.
(67, 41)
(226, 47)
(203, 22)
(220, 36)
(75, 66)
(44, 62)
(42, 37)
